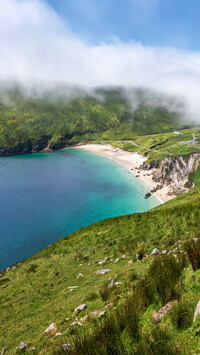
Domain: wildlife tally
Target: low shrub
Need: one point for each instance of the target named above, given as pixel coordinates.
(158, 341)
(105, 291)
(192, 248)
(182, 314)
(32, 268)
(164, 274)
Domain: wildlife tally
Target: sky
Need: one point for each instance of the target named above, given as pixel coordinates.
(152, 22)
(134, 43)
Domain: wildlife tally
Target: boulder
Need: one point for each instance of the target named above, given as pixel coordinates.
(52, 329)
(197, 311)
(148, 194)
(155, 252)
(80, 308)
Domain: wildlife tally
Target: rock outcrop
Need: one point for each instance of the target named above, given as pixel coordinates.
(173, 171)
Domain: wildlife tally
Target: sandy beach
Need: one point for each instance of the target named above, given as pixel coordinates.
(132, 161)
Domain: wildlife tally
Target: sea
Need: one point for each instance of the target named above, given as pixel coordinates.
(46, 196)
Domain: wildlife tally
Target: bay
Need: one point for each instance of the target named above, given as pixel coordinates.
(46, 196)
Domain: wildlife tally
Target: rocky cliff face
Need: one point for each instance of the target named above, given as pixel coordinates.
(174, 171)
(33, 146)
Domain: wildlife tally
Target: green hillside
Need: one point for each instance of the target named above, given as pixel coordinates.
(29, 120)
(46, 289)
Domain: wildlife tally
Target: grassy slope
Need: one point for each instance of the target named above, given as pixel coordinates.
(160, 146)
(35, 293)
(60, 115)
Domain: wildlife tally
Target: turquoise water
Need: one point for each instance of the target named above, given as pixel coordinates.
(44, 197)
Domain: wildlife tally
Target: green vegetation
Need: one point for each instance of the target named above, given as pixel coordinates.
(65, 116)
(161, 146)
(37, 292)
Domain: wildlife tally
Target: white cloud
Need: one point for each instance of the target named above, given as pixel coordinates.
(36, 44)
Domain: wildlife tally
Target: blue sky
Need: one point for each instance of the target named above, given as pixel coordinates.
(173, 23)
(132, 43)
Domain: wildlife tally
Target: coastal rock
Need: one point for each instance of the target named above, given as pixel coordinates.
(102, 272)
(148, 194)
(155, 252)
(197, 311)
(80, 308)
(52, 329)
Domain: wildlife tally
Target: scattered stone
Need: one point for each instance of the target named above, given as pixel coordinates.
(72, 287)
(117, 283)
(123, 256)
(148, 194)
(106, 258)
(99, 314)
(112, 282)
(130, 261)
(22, 346)
(196, 239)
(80, 275)
(117, 260)
(101, 262)
(85, 318)
(58, 334)
(157, 316)
(1, 275)
(102, 272)
(164, 251)
(66, 347)
(52, 329)
(76, 323)
(33, 349)
(155, 252)
(8, 268)
(67, 319)
(80, 308)
(3, 351)
(197, 311)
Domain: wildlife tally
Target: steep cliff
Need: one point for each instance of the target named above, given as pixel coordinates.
(174, 171)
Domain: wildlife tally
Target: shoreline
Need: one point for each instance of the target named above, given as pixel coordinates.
(131, 161)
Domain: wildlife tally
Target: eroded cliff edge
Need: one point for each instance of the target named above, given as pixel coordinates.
(173, 171)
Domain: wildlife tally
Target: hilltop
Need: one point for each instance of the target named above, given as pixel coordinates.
(32, 120)
(122, 302)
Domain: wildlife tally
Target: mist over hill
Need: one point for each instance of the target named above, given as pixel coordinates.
(55, 113)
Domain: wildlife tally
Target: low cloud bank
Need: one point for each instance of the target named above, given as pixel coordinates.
(35, 44)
